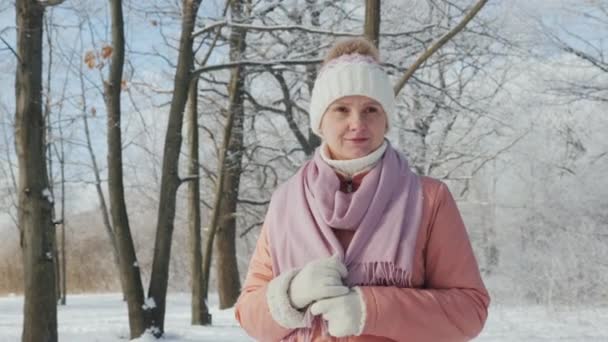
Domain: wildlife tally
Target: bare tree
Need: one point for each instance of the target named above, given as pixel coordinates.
(200, 312)
(129, 267)
(439, 43)
(170, 180)
(229, 285)
(35, 200)
(199, 307)
(8, 171)
(49, 141)
(103, 207)
(311, 70)
(589, 53)
(55, 149)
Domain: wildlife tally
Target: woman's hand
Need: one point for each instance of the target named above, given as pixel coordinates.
(345, 315)
(318, 280)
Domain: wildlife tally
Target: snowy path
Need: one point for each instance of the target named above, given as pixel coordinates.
(102, 318)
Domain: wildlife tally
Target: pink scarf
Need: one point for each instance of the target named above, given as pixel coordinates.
(384, 212)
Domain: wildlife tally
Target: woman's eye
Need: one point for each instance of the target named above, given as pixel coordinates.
(371, 109)
(340, 109)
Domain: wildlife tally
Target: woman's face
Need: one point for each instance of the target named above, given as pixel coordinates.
(353, 127)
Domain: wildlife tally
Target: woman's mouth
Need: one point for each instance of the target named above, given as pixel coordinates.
(357, 140)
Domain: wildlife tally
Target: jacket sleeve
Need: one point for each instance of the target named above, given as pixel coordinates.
(453, 304)
(252, 310)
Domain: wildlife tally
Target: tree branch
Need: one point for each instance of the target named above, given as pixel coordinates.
(289, 114)
(12, 50)
(249, 27)
(231, 65)
(437, 45)
(248, 229)
(49, 3)
(252, 202)
(188, 178)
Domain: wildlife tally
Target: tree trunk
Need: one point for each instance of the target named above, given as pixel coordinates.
(129, 267)
(228, 281)
(63, 268)
(170, 178)
(200, 312)
(49, 151)
(311, 70)
(372, 21)
(103, 208)
(62, 255)
(222, 174)
(60, 241)
(35, 202)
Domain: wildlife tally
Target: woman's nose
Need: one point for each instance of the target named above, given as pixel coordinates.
(356, 122)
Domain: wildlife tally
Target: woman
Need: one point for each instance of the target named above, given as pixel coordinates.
(356, 247)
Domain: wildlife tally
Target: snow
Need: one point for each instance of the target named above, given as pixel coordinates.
(46, 193)
(538, 323)
(149, 303)
(103, 318)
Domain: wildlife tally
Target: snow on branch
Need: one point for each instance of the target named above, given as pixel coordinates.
(189, 178)
(437, 45)
(302, 28)
(264, 28)
(47, 3)
(273, 64)
(47, 195)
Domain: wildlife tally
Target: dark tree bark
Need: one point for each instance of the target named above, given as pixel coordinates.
(311, 70)
(49, 150)
(129, 268)
(228, 281)
(372, 21)
(103, 207)
(231, 140)
(170, 180)
(35, 200)
(200, 312)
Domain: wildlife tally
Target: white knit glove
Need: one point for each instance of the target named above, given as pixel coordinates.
(317, 280)
(345, 315)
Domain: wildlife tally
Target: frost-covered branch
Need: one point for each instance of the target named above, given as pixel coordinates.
(301, 28)
(428, 53)
(261, 28)
(273, 64)
(48, 3)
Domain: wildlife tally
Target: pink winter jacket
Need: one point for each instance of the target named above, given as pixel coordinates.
(448, 302)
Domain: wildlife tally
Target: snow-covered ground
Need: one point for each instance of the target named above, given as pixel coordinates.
(102, 318)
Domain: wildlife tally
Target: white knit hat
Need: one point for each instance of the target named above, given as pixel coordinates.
(350, 74)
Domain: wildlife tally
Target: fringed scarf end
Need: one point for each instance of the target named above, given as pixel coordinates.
(379, 273)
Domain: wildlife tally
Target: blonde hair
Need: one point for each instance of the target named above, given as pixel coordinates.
(360, 45)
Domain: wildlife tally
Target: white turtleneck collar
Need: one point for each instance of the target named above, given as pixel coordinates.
(351, 167)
